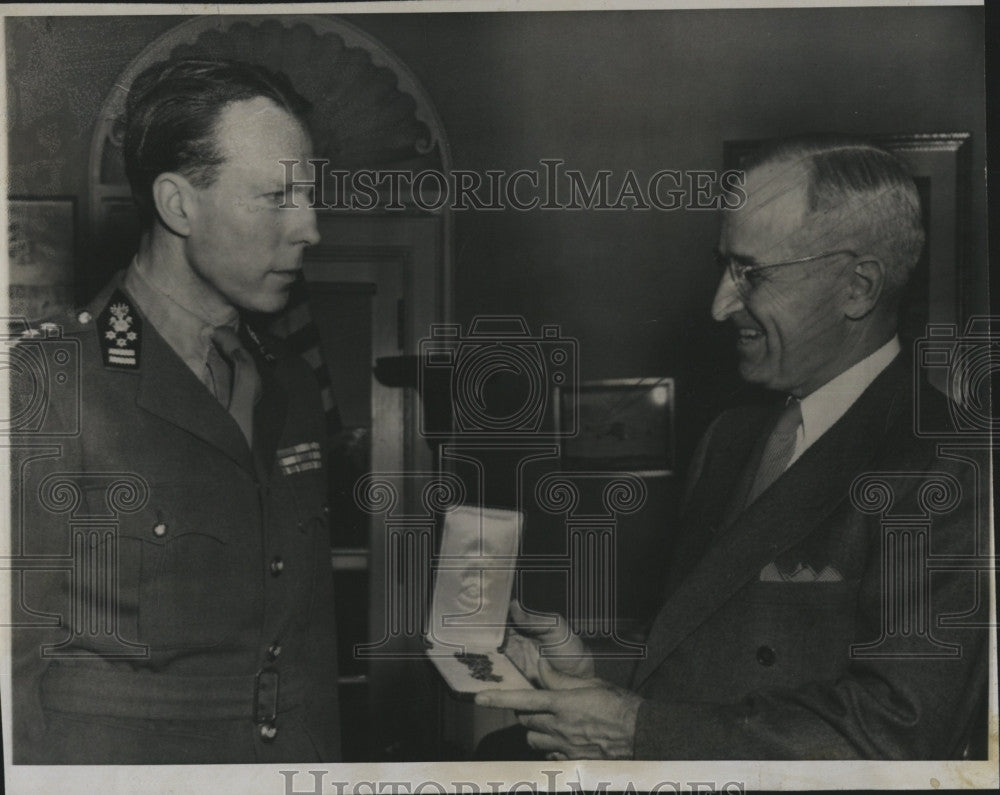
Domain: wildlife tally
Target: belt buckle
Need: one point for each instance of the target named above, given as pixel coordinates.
(265, 695)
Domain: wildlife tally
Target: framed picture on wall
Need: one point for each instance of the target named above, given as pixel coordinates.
(940, 164)
(624, 425)
(41, 246)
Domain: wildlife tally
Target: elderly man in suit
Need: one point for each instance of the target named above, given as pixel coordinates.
(197, 624)
(772, 641)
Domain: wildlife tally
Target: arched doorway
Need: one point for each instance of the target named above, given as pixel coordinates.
(369, 109)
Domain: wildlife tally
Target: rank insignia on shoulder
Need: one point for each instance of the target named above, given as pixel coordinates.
(120, 331)
(299, 458)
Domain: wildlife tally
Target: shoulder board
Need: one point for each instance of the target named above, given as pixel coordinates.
(21, 329)
(119, 330)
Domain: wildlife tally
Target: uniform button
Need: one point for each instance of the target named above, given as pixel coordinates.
(159, 530)
(766, 656)
(326, 510)
(268, 731)
(84, 317)
(273, 651)
(277, 566)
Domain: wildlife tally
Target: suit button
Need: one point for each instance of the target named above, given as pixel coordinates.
(84, 317)
(277, 566)
(766, 656)
(273, 651)
(268, 731)
(160, 529)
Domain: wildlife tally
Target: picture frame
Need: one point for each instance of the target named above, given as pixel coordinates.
(623, 425)
(41, 244)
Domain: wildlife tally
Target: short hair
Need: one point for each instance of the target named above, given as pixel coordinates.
(171, 114)
(864, 187)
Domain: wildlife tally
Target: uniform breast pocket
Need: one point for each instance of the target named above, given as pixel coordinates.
(187, 566)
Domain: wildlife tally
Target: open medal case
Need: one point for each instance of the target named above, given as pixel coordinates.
(474, 576)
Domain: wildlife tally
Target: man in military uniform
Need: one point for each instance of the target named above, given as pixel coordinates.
(197, 625)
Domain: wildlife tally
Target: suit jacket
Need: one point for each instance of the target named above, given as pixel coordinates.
(740, 667)
(185, 612)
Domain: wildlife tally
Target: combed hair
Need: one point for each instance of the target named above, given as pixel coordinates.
(171, 114)
(865, 192)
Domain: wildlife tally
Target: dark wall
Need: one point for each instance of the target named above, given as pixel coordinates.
(645, 91)
(59, 71)
(599, 90)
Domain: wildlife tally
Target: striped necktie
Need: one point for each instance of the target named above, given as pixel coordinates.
(778, 450)
(245, 379)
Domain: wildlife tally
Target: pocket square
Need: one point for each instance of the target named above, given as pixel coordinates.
(803, 572)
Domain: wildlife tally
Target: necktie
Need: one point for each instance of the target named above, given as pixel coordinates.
(245, 379)
(220, 374)
(778, 450)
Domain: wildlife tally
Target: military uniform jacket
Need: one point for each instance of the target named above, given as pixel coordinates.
(745, 666)
(183, 611)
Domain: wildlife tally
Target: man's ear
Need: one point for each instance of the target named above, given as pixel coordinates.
(864, 289)
(173, 197)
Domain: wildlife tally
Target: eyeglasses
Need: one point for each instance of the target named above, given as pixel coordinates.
(743, 273)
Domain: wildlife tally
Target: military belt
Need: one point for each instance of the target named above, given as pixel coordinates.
(159, 696)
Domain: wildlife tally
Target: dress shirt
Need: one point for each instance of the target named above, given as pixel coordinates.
(822, 408)
(178, 318)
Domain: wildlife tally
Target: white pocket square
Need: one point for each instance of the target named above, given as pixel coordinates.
(801, 573)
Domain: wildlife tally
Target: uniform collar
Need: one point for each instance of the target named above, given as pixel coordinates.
(165, 306)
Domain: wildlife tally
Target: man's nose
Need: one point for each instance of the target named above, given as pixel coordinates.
(727, 300)
(306, 230)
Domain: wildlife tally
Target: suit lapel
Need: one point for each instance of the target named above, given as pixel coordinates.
(733, 448)
(743, 481)
(168, 389)
(792, 508)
